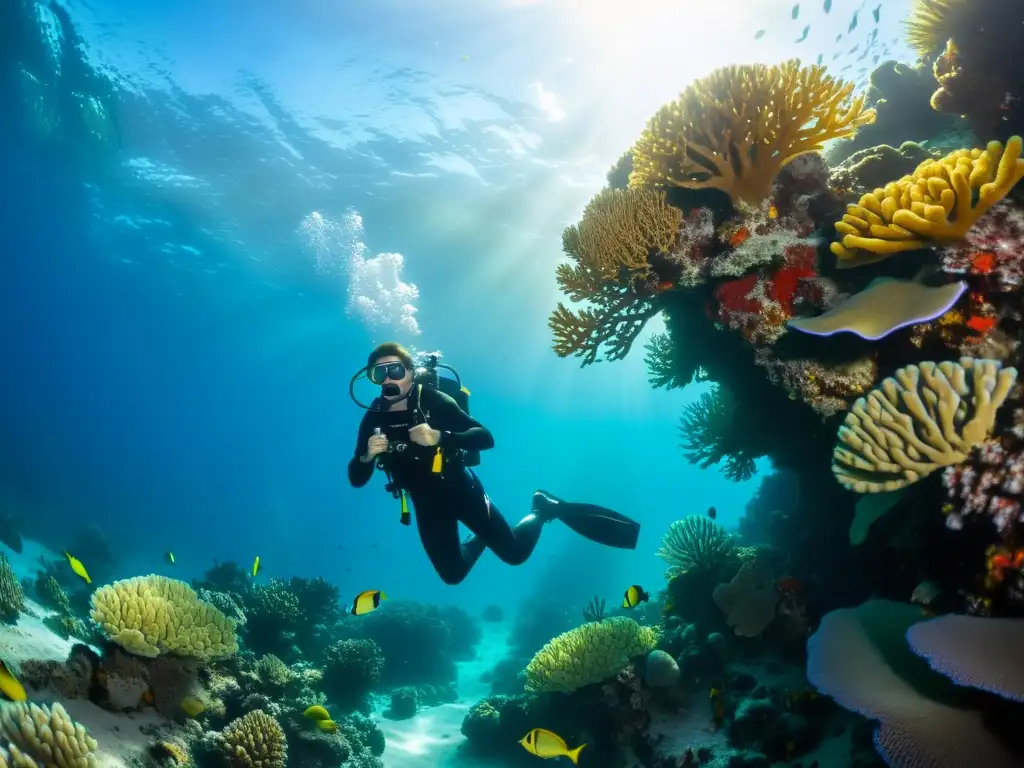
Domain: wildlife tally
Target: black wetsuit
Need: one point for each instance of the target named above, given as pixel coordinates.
(455, 495)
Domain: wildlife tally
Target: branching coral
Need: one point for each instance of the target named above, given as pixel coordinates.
(939, 202)
(589, 654)
(925, 417)
(667, 367)
(735, 129)
(150, 615)
(45, 734)
(709, 435)
(255, 740)
(695, 543)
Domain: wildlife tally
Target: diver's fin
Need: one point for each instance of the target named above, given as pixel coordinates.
(589, 520)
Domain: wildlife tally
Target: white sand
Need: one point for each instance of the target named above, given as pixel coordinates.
(432, 738)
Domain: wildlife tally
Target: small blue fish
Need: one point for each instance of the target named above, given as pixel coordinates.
(796, 11)
(803, 37)
(759, 34)
(839, 37)
(828, 5)
(853, 24)
(821, 56)
(877, 13)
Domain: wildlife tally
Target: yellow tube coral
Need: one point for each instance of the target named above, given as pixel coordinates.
(41, 735)
(940, 201)
(589, 654)
(735, 129)
(925, 417)
(151, 615)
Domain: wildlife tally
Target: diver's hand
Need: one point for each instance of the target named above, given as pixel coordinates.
(424, 434)
(375, 446)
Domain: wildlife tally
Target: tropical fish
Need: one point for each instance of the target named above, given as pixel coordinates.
(316, 712)
(9, 685)
(717, 706)
(192, 706)
(712, 513)
(759, 34)
(853, 23)
(807, 31)
(169, 557)
(77, 567)
(327, 726)
(367, 601)
(545, 744)
(634, 596)
(795, 12)
(773, 212)
(256, 567)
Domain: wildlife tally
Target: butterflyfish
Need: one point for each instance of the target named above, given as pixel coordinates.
(169, 557)
(367, 601)
(327, 726)
(634, 596)
(545, 744)
(9, 685)
(256, 567)
(316, 712)
(77, 567)
(192, 706)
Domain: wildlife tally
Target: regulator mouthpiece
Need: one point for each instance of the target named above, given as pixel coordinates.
(390, 390)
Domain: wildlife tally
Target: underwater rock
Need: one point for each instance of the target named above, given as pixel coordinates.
(660, 670)
(874, 167)
(493, 614)
(403, 704)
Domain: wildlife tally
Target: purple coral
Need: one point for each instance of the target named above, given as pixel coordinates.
(860, 658)
(974, 652)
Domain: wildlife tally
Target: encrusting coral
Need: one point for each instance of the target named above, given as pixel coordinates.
(927, 416)
(151, 615)
(939, 202)
(736, 128)
(255, 740)
(588, 654)
(37, 734)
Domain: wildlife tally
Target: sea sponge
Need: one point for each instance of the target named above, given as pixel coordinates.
(12, 597)
(735, 129)
(860, 657)
(151, 615)
(47, 735)
(255, 740)
(695, 543)
(925, 417)
(749, 600)
(939, 202)
(588, 654)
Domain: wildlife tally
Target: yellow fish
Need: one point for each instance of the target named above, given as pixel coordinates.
(316, 712)
(327, 726)
(545, 744)
(192, 706)
(634, 596)
(169, 557)
(256, 566)
(367, 601)
(9, 685)
(77, 567)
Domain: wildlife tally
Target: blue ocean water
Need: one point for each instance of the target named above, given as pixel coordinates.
(212, 210)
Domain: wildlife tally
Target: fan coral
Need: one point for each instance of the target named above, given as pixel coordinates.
(255, 740)
(859, 657)
(150, 615)
(589, 654)
(940, 201)
(991, 483)
(695, 543)
(668, 366)
(710, 433)
(749, 600)
(12, 597)
(735, 129)
(925, 417)
(46, 734)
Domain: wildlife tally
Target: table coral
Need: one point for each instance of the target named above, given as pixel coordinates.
(939, 202)
(736, 128)
(923, 418)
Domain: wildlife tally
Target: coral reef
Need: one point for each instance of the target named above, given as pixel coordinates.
(255, 740)
(12, 597)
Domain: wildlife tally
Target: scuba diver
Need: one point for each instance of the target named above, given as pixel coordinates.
(419, 432)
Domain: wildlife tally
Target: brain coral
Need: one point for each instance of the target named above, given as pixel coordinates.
(588, 654)
(151, 615)
(255, 740)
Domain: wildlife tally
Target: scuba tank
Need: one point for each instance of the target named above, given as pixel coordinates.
(426, 375)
